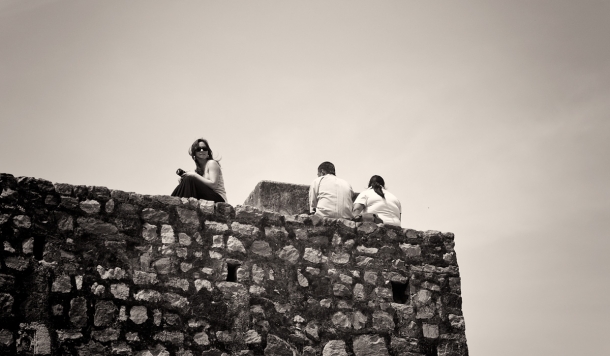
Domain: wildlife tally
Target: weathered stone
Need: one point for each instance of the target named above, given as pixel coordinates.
(457, 321)
(341, 290)
(289, 253)
(120, 291)
(346, 279)
(121, 348)
(411, 250)
(334, 348)
(184, 239)
(203, 283)
(188, 217)
(109, 206)
(149, 232)
(16, 263)
(62, 284)
(303, 282)
(163, 265)
(65, 222)
(28, 246)
(234, 245)
(278, 347)
(261, 248)
(144, 278)
(382, 321)
(258, 274)
(6, 305)
(206, 207)
(284, 198)
(148, 295)
(96, 227)
(123, 313)
(244, 229)
(201, 338)
(430, 331)
(252, 337)
(340, 258)
(370, 345)
(312, 255)
(363, 261)
(105, 313)
(90, 206)
(358, 292)
(215, 227)
(111, 273)
(105, 335)
(173, 337)
(22, 221)
(431, 286)
(155, 216)
(167, 234)
(78, 312)
(370, 277)
(341, 320)
(178, 283)
(63, 335)
(367, 250)
(384, 293)
(138, 314)
(175, 300)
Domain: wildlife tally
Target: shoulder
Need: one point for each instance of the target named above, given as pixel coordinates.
(212, 164)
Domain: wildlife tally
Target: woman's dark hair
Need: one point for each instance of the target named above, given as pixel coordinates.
(192, 153)
(376, 182)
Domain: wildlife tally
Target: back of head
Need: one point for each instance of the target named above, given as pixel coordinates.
(376, 182)
(327, 167)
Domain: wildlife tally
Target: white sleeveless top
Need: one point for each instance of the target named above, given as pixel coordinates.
(220, 185)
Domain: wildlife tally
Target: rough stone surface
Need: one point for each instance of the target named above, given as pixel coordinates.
(370, 345)
(261, 248)
(334, 348)
(91, 271)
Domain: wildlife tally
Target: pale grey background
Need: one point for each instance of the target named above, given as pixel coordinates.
(486, 118)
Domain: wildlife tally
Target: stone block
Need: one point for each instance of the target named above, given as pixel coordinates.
(370, 345)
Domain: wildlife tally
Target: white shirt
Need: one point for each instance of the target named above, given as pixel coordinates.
(387, 209)
(331, 197)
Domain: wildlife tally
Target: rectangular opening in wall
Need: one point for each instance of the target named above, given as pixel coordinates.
(232, 272)
(38, 248)
(399, 292)
(428, 348)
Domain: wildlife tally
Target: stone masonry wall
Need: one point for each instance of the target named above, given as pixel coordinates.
(86, 270)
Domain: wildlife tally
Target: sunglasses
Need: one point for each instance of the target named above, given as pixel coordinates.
(201, 149)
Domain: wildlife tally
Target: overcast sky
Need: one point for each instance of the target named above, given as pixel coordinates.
(488, 119)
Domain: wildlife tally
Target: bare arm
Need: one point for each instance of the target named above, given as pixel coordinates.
(313, 197)
(213, 170)
(358, 209)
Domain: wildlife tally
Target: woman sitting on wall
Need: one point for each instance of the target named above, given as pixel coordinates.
(205, 182)
(377, 200)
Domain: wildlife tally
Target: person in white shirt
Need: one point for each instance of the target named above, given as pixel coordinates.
(330, 196)
(377, 200)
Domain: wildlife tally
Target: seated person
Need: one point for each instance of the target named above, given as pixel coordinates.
(377, 200)
(205, 182)
(330, 196)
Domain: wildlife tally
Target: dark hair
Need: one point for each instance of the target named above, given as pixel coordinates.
(327, 167)
(376, 182)
(192, 153)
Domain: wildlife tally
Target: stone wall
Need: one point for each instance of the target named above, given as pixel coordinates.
(90, 271)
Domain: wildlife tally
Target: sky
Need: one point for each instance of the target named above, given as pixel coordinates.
(487, 119)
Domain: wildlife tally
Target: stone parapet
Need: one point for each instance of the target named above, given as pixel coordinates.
(88, 270)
